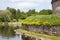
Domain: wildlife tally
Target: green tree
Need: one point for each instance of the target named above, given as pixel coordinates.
(45, 12)
(18, 14)
(13, 11)
(31, 12)
(5, 16)
(23, 15)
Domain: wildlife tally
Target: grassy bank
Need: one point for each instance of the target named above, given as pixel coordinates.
(42, 20)
(38, 35)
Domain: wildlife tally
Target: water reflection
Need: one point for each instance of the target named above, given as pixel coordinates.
(7, 33)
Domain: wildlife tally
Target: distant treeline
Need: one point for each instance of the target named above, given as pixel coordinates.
(13, 15)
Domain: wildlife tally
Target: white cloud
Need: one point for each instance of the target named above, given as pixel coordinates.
(34, 0)
(13, 0)
(39, 1)
(26, 4)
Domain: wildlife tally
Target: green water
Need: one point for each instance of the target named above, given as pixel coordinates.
(7, 33)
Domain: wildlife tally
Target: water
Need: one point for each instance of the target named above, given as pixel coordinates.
(16, 37)
(7, 33)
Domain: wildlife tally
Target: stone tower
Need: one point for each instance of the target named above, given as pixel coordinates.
(56, 6)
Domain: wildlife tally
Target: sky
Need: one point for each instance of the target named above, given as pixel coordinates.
(25, 5)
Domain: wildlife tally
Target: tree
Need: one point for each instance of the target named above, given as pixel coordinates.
(5, 16)
(31, 12)
(18, 14)
(13, 11)
(23, 15)
(45, 12)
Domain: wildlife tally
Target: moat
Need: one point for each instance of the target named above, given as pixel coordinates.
(7, 33)
(16, 37)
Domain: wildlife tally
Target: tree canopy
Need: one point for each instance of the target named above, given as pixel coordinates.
(5, 15)
(16, 14)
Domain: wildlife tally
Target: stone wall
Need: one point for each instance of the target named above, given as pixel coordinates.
(25, 37)
(56, 7)
(49, 30)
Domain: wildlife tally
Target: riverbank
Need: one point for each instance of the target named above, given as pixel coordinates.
(33, 34)
(11, 23)
(7, 33)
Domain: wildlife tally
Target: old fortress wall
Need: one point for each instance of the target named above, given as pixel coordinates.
(56, 6)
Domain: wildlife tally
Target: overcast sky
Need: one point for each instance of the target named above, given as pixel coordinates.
(25, 5)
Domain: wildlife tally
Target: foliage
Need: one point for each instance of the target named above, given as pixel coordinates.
(45, 12)
(32, 12)
(42, 20)
(17, 14)
(5, 16)
(23, 15)
(13, 11)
